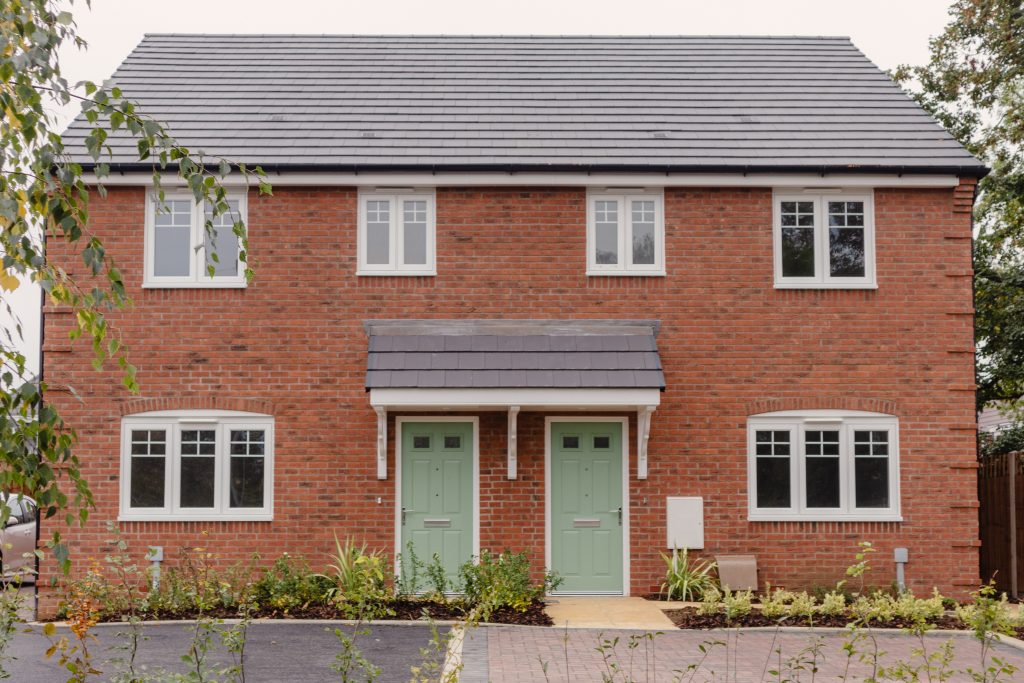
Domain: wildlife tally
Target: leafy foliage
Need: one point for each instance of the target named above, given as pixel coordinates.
(1004, 441)
(44, 195)
(974, 86)
(686, 580)
(502, 581)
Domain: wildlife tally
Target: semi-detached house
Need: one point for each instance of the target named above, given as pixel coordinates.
(519, 292)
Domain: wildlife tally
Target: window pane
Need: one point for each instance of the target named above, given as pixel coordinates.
(846, 239)
(798, 252)
(772, 442)
(172, 239)
(415, 232)
(822, 482)
(421, 442)
(453, 442)
(872, 482)
(602, 442)
(570, 442)
(198, 442)
(147, 482)
(773, 483)
(797, 238)
(149, 442)
(606, 219)
(246, 483)
(224, 242)
(643, 232)
(378, 228)
(197, 482)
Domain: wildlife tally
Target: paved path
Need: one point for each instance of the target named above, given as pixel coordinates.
(279, 651)
(510, 654)
(608, 612)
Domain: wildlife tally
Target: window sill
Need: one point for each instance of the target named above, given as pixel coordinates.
(626, 273)
(132, 517)
(825, 518)
(195, 285)
(825, 285)
(396, 273)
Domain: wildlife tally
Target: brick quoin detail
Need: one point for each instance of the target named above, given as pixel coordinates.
(292, 345)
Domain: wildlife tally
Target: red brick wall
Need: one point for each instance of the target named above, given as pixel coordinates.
(292, 343)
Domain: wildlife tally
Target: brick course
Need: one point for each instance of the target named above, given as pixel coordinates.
(292, 344)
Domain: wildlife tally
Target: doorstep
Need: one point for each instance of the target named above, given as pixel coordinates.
(607, 612)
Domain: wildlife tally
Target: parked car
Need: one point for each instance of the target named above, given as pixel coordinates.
(18, 537)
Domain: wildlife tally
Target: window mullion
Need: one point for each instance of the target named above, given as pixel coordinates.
(172, 483)
(393, 234)
(821, 240)
(846, 477)
(220, 475)
(796, 470)
(625, 225)
(198, 245)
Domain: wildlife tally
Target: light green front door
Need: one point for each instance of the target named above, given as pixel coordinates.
(586, 506)
(437, 493)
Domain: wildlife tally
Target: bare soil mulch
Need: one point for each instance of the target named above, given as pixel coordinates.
(689, 618)
(403, 610)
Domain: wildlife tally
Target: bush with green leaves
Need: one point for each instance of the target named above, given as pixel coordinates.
(685, 579)
(494, 582)
(360, 578)
(290, 584)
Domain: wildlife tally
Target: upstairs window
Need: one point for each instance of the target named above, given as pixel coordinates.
(396, 233)
(180, 250)
(626, 233)
(824, 240)
(823, 465)
(197, 465)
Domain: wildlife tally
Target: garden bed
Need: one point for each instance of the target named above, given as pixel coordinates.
(691, 618)
(410, 610)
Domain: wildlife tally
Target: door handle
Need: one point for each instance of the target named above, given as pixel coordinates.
(620, 515)
(405, 510)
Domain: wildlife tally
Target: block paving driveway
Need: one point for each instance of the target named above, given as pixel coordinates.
(507, 654)
(283, 651)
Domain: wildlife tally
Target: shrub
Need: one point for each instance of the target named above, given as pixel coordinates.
(502, 581)
(775, 604)
(686, 580)
(710, 602)
(833, 604)
(802, 607)
(737, 605)
(359, 578)
(992, 444)
(289, 584)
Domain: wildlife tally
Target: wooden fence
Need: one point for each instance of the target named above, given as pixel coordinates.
(1001, 493)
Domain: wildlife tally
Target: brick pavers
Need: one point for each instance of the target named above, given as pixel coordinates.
(515, 654)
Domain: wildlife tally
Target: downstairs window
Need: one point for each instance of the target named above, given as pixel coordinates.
(197, 465)
(823, 465)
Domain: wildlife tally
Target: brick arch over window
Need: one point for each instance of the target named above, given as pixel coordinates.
(248, 405)
(871, 405)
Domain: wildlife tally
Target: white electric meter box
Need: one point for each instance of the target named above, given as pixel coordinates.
(685, 522)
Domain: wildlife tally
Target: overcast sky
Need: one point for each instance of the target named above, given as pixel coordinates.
(889, 32)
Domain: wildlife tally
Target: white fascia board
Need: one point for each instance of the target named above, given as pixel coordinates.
(501, 399)
(776, 180)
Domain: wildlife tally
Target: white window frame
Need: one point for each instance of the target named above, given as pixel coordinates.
(396, 242)
(198, 276)
(846, 422)
(174, 421)
(625, 266)
(822, 279)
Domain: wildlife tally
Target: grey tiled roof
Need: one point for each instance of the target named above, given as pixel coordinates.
(544, 103)
(513, 353)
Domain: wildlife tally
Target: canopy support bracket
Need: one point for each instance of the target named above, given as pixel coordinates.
(643, 435)
(382, 442)
(513, 446)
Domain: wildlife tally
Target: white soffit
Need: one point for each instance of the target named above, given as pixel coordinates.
(502, 399)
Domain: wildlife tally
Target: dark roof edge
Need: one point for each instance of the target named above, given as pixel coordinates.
(975, 171)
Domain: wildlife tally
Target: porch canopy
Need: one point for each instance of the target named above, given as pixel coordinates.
(514, 365)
